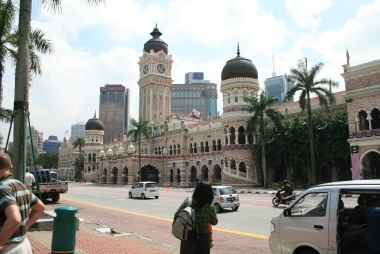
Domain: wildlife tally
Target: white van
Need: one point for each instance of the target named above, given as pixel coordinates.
(320, 220)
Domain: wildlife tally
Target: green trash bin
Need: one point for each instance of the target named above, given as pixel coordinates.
(64, 230)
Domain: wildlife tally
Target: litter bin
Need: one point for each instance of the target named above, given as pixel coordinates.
(64, 230)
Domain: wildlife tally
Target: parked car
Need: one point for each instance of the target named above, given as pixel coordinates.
(318, 221)
(225, 197)
(144, 190)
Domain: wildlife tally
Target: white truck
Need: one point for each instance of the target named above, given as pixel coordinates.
(48, 187)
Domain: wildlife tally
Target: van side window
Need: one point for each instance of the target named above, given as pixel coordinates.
(311, 205)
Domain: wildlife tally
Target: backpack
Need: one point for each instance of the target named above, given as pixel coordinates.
(184, 225)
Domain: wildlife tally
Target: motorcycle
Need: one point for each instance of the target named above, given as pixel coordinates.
(286, 200)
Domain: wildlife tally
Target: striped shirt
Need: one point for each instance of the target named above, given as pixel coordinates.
(14, 192)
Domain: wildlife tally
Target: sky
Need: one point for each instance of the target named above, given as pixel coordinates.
(98, 45)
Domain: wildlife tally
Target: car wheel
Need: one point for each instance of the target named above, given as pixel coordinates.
(235, 208)
(142, 196)
(156, 197)
(217, 207)
(130, 195)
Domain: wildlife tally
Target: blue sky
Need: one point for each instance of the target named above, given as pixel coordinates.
(96, 45)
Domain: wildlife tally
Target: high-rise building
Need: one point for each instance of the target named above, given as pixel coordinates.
(37, 140)
(195, 78)
(201, 97)
(114, 111)
(77, 130)
(277, 86)
(52, 144)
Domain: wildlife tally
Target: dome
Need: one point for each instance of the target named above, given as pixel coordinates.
(102, 153)
(131, 149)
(156, 43)
(239, 67)
(94, 124)
(109, 152)
(120, 150)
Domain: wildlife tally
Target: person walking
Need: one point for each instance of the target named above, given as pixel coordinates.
(29, 179)
(205, 214)
(19, 209)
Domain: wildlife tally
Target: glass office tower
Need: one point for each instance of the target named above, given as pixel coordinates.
(114, 111)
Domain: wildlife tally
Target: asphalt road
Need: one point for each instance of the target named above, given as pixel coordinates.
(242, 231)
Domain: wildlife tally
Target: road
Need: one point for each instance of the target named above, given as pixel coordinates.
(242, 231)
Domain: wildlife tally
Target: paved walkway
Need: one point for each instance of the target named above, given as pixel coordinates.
(89, 240)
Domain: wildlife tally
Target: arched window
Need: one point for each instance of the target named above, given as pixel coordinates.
(375, 122)
(241, 135)
(213, 145)
(242, 167)
(195, 148)
(363, 122)
(179, 148)
(219, 144)
(89, 157)
(191, 148)
(232, 136)
(170, 150)
(202, 147)
(207, 148)
(93, 157)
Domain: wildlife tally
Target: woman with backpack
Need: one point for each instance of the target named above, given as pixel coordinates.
(201, 202)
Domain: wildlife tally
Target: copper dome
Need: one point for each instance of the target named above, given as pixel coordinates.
(239, 67)
(94, 124)
(156, 43)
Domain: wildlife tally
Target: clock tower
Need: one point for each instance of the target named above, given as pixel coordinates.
(155, 80)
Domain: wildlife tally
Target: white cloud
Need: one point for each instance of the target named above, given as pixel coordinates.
(305, 12)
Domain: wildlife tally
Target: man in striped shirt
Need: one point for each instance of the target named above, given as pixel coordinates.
(19, 209)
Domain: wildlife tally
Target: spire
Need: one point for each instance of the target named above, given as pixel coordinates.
(348, 57)
(238, 50)
(95, 114)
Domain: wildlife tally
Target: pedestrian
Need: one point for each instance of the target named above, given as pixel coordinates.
(205, 214)
(19, 209)
(29, 179)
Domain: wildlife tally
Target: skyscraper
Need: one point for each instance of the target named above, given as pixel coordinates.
(201, 97)
(77, 130)
(195, 78)
(277, 86)
(114, 111)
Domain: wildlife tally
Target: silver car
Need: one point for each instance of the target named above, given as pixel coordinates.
(225, 197)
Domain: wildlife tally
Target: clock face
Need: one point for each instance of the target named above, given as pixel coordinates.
(161, 68)
(145, 69)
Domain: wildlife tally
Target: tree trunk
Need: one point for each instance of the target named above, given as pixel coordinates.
(139, 169)
(21, 102)
(311, 140)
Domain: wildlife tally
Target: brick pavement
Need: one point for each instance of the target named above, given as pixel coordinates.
(89, 240)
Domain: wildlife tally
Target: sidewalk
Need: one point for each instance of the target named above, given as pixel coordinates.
(89, 241)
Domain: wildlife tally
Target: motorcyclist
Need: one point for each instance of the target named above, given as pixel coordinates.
(284, 190)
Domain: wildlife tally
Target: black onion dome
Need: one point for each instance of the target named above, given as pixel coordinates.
(239, 67)
(156, 43)
(94, 124)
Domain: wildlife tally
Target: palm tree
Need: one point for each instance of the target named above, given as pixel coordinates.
(260, 107)
(305, 82)
(140, 130)
(22, 80)
(79, 142)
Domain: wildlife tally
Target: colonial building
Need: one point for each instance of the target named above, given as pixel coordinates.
(186, 147)
(363, 107)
